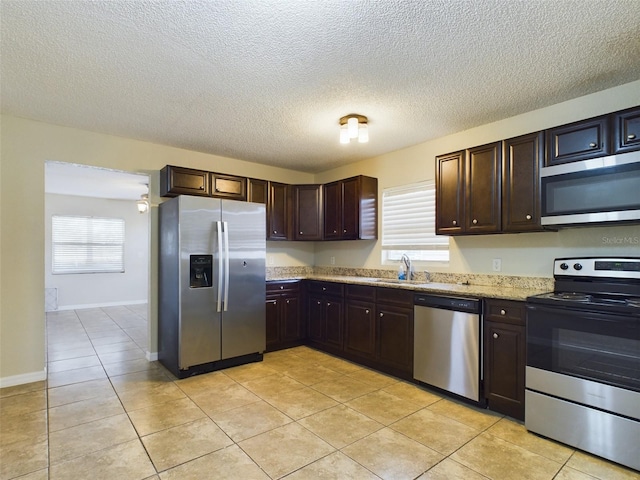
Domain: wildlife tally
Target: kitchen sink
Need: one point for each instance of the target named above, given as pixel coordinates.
(400, 282)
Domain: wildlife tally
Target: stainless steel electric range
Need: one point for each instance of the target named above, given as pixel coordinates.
(583, 358)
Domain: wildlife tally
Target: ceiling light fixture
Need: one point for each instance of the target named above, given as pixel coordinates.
(354, 126)
(143, 203)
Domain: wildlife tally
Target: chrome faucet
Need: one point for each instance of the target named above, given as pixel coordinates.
(407, 263)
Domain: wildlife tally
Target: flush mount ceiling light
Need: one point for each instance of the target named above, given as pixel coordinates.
(143, 203)
(354, 126)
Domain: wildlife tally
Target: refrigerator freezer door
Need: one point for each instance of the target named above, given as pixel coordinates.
(199, 331)
(243, 324)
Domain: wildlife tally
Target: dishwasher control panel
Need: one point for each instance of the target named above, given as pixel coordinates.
(462, 304)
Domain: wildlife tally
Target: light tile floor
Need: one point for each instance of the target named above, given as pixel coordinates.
(107, 413)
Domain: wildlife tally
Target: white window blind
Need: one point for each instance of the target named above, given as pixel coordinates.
(408, 224)
(87, 244)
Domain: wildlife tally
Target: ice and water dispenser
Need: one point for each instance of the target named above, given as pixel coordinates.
(200, 271)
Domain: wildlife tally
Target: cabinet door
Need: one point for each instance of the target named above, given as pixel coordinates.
(360, 329)
(505, 368)
(626, 130)
(578, 141)
(257, 191)
(290, 326)
(331, 199)
(184, 181)
(450, 193)
(333, 322)
(482, 189)
(315, 318)
(229, 186)
(350, 209)
(272, 322)
(278, 211)
(521, 162)
(307, 212)
(395, 337)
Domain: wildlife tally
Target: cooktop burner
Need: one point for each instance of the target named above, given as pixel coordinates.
(573, 296)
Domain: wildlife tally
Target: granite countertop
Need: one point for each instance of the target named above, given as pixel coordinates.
(500, 289)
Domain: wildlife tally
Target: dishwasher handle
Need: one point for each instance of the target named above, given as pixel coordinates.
(456, 304)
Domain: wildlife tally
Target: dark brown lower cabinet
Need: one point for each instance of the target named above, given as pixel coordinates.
(284, 324)
(504, 356)
(325, 315)
(395, 338)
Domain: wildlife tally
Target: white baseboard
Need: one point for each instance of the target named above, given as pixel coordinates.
(100, 305)
(22, 379)
(152, 356)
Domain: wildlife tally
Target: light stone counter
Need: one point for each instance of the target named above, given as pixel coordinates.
(482, 286)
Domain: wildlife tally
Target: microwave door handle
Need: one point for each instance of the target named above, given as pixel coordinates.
(226, 265)
(220, 286)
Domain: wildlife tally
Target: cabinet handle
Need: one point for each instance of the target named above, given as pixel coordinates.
(301, 233)
(455, 222)
(328, 304)
(319, 303)
(367, 311)
(503, 312)
(287, 302)
(324, 288)
(474, 221)
(631, 136)
(281, 287)
(335, 231)
(344, 231)
(528, 217)
(593, 145)
(381, 315)
(495, 335)
(275, 231)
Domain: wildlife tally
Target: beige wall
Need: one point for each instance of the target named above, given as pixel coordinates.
(523, 254)
(26, 145)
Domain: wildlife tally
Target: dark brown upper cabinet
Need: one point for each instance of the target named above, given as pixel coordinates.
(482, 189)
(278, 212)
(626, 130)
(450, 171)
(350, 208)
(578, 141)
(307, 212)
(257, 191)
(176, 181)
(228, 186)
(522, 158)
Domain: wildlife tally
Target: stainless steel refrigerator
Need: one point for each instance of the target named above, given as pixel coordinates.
(211, 284)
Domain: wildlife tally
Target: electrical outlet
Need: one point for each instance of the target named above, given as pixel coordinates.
(270, 260)
(497, 264)
(332, 260)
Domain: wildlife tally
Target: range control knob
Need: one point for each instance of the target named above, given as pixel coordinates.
(564, 266)
(577, 266)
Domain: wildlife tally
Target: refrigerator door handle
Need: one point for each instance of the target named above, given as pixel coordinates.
(220, 286)
(226, 265)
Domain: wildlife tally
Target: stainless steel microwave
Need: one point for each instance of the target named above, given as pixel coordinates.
(596, 191)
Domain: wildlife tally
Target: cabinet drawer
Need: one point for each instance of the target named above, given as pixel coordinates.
(505, 311)
(395, 296)
(228, 186)
(363, 292)
(326, 288)
(276, 287)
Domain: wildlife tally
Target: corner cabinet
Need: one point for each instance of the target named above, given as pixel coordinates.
(505, 356)
(325, 316)
(350, 209)
(522, 158)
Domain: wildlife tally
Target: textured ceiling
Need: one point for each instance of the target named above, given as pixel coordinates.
(267, 81)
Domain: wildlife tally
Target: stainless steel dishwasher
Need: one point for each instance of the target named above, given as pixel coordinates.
(446, 343)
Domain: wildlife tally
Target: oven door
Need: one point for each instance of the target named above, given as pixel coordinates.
(600, 347)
